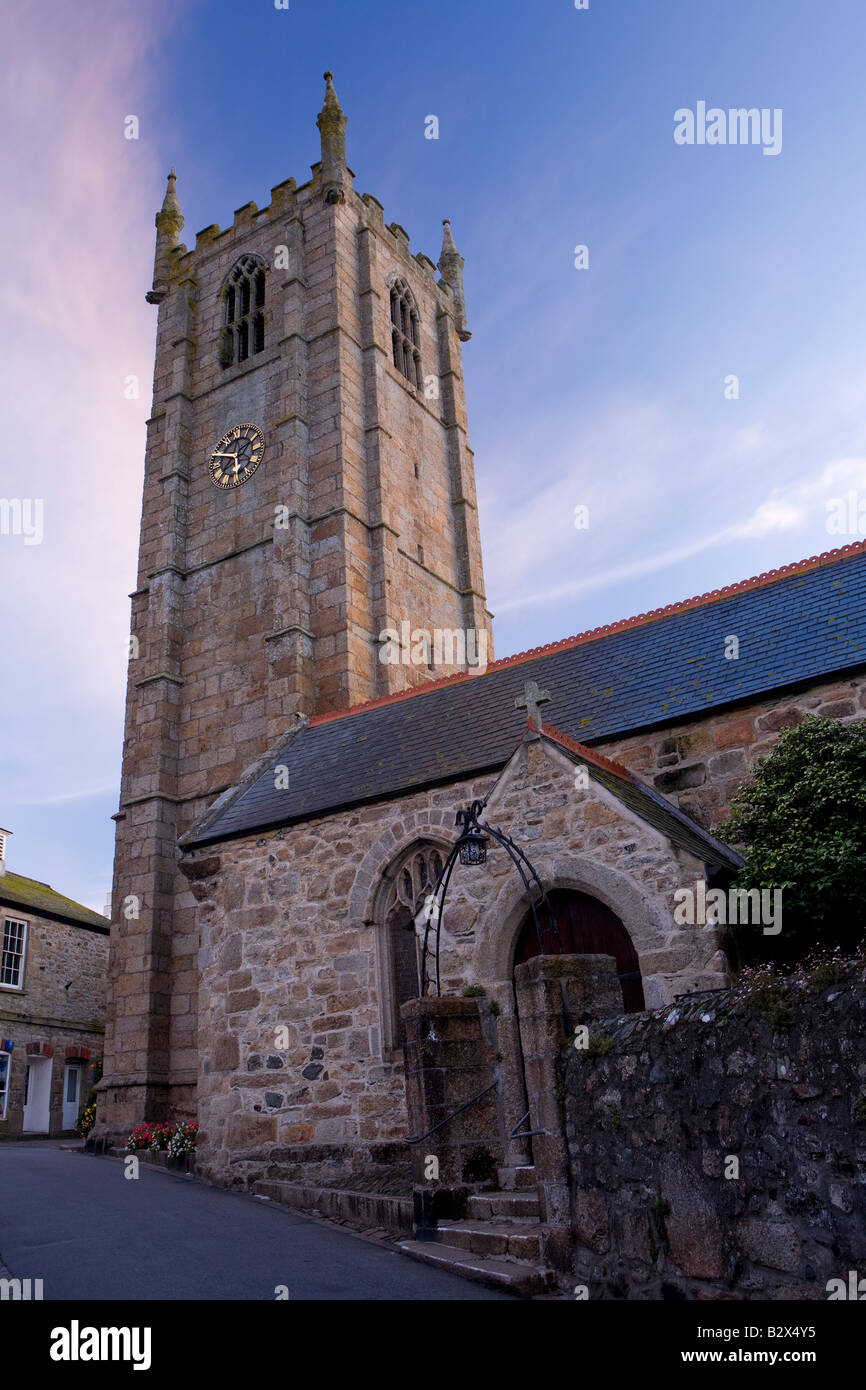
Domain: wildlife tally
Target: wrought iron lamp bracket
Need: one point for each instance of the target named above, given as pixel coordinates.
(473, 832)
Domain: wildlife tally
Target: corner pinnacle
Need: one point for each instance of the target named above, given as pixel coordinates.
(332, 129)
(169, 202)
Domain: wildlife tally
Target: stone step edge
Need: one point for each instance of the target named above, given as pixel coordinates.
(512, 1276)
(476, 1227)
(519, 1178)
(482, 1239)
(511, 1205)
(363, 1209)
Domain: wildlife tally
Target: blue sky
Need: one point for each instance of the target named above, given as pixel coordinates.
(602, 387)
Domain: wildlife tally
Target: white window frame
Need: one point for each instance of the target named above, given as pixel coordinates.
(5, 1074)
(22, 958)
(71, 1069)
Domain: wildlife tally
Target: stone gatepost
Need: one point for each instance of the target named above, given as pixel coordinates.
(449, 1058)
(554, 995)
(513, 1104)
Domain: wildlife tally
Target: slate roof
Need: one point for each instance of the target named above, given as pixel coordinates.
(801, 623)
(679, 828)
(21, 893)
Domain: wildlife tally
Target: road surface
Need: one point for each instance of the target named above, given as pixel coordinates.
(75, 1222)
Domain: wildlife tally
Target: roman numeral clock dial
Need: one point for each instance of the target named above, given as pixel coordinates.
(237, 456)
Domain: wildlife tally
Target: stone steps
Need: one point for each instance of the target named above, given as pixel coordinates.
(519, 1239)
(499, 1241)
(509, 1206)
(517, 1179)
(514, 1276)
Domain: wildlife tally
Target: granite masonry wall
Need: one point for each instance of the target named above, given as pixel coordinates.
(700, 763)
(64, 971)
(713, 1157)
(297, 1066)
(58, 1014)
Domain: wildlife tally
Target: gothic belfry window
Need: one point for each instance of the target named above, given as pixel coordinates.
(243, 332)
(405, 334)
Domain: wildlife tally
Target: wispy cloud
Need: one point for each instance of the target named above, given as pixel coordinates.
(63, 798)
(79, 203)
(785, 510)
(793, 508)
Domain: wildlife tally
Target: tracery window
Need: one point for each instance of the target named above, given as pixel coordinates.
(406, 334)
(410, 889)
(243, 331)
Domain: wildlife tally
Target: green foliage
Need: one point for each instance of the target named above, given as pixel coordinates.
(597, 1045)
(762, 990)
(826, 972)
(800, 822)
(184, 1139)
(86, 1118)
(87, 1114)
(474, 991)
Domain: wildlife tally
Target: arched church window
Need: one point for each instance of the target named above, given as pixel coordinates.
(410, 888)
(406, 334)
(243, 332)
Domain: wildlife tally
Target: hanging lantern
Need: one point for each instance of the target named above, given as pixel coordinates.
(470, 847)
(473, 842)
(473, 849)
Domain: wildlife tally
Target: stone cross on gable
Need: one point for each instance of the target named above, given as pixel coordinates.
(530, 700)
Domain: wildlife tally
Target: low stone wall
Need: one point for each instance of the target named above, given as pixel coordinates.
(362, 1210)
(713, 1157)
(158, 1159)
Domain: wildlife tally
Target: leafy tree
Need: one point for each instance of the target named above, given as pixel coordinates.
(800, 822)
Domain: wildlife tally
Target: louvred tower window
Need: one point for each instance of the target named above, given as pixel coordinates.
(243, 332)
(406, 334)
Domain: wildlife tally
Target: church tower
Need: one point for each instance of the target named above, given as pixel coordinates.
(308, 486)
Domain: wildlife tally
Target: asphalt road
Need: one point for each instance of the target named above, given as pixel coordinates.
(90, 1233)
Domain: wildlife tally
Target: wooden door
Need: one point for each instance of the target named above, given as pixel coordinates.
(587, 927)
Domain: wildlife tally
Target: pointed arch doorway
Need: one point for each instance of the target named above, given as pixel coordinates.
(588, 927)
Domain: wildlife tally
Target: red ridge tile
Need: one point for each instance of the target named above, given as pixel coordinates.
(826, 557)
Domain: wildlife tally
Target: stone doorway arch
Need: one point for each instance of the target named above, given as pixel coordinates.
(588, 927)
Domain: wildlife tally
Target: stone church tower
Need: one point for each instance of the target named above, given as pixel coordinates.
(308, 485)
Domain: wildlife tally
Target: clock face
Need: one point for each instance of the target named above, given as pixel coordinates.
(237, 456)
